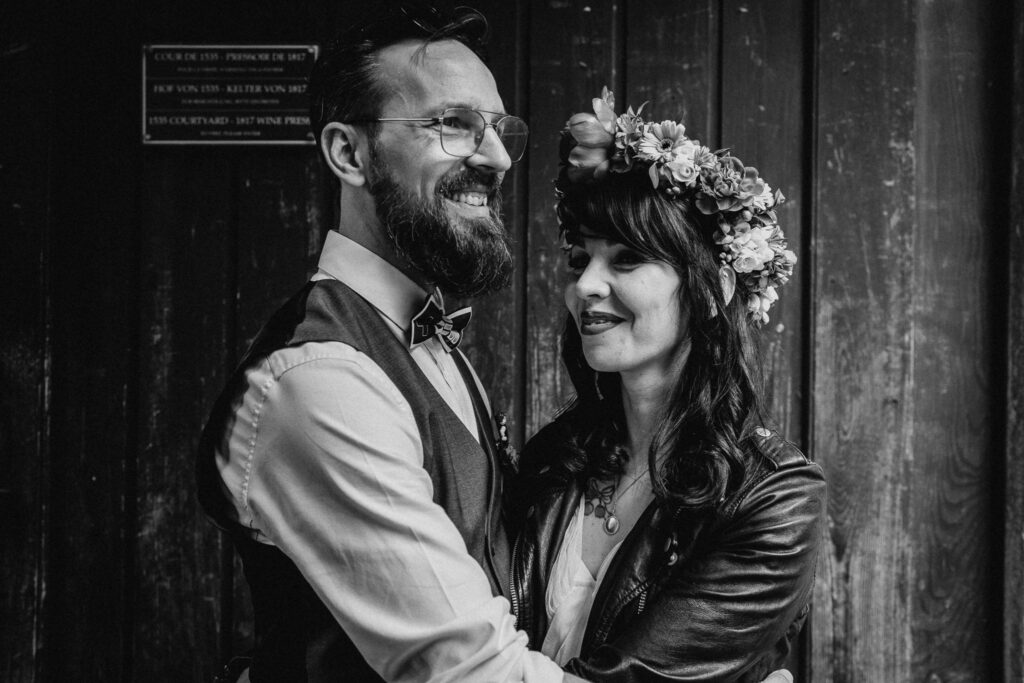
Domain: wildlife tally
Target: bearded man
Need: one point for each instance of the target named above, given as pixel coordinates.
(351, 457)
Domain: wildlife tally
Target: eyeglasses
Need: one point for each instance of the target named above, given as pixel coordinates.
(462, 131)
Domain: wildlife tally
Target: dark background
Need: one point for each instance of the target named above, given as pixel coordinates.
(131, 277)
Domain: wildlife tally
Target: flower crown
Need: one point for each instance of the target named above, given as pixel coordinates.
(718, 184)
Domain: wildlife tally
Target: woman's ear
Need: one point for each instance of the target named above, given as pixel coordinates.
(345, 149)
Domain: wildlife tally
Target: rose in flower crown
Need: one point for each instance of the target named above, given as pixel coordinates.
(597, 146)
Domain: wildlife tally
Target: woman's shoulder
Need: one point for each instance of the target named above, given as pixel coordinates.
(777, 470)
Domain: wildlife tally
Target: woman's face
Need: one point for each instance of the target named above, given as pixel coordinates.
(626, 307)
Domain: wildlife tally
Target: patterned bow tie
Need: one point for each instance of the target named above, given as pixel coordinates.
(431, 321)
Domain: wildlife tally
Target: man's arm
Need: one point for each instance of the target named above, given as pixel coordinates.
(337, 483)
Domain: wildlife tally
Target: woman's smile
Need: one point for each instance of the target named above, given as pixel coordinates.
(596, 321)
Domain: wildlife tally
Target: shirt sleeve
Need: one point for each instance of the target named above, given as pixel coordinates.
(337, 484)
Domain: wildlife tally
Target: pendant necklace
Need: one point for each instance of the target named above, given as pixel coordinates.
(599, 502)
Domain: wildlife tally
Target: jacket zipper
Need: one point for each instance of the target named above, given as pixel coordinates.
(606, 624)
(513, 586)
(643, 603)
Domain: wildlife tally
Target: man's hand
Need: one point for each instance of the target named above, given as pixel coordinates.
(780, 676)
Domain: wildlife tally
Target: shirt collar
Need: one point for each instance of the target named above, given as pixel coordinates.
(388, 289)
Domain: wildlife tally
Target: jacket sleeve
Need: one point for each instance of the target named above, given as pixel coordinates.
(725, 609)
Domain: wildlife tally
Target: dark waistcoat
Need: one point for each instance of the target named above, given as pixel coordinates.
(297, 639)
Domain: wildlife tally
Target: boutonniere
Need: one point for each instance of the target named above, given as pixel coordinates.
(508, 456)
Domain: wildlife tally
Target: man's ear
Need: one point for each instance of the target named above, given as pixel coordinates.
(345, 148)
(727, 276)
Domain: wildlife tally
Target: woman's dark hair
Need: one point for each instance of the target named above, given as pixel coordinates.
(715, 405)
(344, 84)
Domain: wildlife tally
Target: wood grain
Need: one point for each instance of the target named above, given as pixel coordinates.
(672, 63)
(1013, 537)
(94, 293)
(862, 429)
(186, 313)
(950, 468)
(25, 189)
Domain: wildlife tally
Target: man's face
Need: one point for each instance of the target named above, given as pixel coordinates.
(441, 212)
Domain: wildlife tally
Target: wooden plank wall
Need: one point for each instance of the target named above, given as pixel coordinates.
(132, 278)
(1013, 556)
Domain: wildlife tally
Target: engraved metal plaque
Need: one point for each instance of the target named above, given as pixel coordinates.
(226, 94)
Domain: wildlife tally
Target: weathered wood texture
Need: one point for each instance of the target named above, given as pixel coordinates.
(92, 292)
(131, 279)
(902, 356)
(186, 320)
(954, 527)
(861, 304)
(1013, 543)
(25, 190)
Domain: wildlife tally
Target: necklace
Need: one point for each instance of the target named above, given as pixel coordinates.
(599, 502)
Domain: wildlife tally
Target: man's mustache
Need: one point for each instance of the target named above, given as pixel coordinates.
(466, 178)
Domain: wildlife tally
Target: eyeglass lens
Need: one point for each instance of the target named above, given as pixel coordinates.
(462, 132)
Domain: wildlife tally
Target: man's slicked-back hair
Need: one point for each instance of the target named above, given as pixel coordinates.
(344, 84)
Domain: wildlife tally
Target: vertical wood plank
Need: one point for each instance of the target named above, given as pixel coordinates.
(672, 63)
(25, 189)
(89, 591)
(1013, 540)
(571, 58)
(951, 471)
(187, 296)
(861, 305)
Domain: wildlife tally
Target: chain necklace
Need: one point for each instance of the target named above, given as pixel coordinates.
(599, 502)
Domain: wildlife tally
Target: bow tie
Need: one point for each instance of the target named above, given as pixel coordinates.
(432, 321)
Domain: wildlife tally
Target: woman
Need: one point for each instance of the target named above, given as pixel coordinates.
(665, 534)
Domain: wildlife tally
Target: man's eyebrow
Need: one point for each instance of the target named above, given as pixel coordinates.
(466, 105)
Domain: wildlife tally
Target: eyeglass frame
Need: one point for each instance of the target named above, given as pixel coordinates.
(440, 117)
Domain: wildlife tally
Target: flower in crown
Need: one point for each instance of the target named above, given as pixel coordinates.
(717, 184)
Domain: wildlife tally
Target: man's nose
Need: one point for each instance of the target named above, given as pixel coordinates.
(491, 155)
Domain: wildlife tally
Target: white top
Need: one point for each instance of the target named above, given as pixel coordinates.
(570, 593)
(324, 461)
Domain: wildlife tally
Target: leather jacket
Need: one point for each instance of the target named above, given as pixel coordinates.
(691, 595)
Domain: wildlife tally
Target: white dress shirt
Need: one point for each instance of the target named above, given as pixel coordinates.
(324, 461)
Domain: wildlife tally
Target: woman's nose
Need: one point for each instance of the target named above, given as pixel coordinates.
(592, 282)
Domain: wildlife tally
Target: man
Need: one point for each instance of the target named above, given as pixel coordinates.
(350, 456)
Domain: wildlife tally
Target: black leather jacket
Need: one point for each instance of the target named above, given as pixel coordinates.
(690, 596)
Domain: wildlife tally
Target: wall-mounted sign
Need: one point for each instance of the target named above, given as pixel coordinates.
(226, 94)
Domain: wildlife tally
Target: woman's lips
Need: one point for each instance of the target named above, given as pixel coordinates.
(596, 322)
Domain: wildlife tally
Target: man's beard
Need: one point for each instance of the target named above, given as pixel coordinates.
(465, 257)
